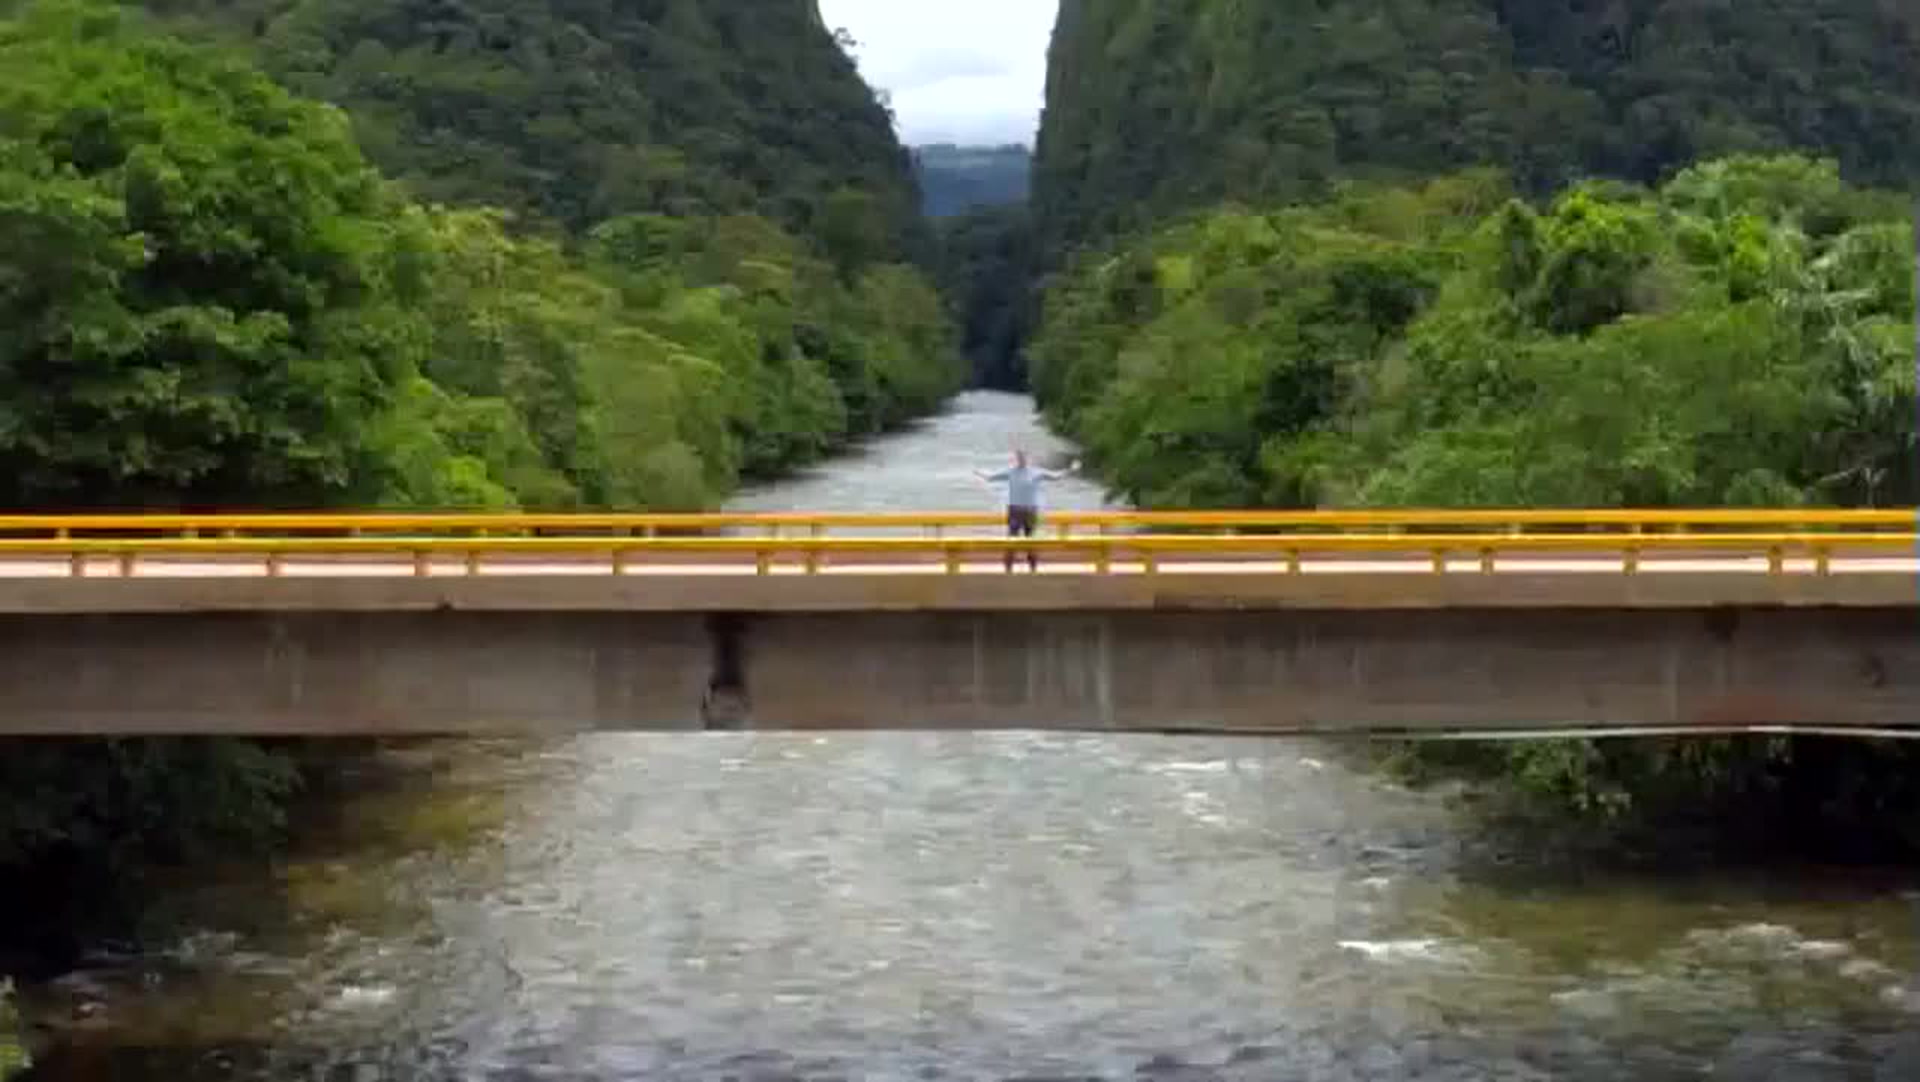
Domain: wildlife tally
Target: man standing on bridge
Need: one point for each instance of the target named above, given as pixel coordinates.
(1023, 500)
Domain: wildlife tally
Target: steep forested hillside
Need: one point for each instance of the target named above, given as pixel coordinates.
(955, 180)
(586, 109)
(1155, 106)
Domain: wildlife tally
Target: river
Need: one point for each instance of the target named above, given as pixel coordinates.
(935, 907)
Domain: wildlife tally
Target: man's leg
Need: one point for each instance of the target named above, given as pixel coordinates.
(1019, 524)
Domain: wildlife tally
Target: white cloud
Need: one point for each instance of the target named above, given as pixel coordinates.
(967, 72)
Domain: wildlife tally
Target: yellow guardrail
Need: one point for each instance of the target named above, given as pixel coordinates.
(1432, 519)
(1862, 535)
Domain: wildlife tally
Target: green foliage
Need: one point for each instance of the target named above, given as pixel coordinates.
(583, 111)
(122, 804)
(1741, 335)
(1194, 364)
(1159, 106)
(194, 275)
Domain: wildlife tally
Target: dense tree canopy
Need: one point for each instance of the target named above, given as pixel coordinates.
(1154, 106)
(198, 275)
(1450, 345)
(589, 109)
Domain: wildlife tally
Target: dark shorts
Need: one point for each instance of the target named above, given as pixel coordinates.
(1022, 521)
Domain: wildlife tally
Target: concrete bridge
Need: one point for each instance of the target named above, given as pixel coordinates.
(1382, 623)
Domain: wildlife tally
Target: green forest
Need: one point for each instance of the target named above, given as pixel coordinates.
(1159, 106)
(583, 111)
(1477, 253)
(254, 270)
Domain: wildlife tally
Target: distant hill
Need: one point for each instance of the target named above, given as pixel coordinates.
(955, 179)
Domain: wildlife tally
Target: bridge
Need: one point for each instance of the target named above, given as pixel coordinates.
(1509, 623)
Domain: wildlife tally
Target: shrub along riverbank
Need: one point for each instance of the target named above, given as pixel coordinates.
(212, 301)
(1741, 334)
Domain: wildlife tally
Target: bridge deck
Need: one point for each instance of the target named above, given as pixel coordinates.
(1263, 622)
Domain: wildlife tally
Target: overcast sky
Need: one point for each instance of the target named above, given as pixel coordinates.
(959, 71)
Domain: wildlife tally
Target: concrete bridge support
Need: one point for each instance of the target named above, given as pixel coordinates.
(449, 670)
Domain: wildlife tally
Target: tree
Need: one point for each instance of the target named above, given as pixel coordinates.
(198, 271)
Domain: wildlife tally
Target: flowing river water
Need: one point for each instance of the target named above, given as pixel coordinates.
(930, 907)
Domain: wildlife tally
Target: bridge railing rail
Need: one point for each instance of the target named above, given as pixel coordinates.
(1626, 541)
(1061, 523)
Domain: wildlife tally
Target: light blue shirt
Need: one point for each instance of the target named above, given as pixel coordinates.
(1023, 484)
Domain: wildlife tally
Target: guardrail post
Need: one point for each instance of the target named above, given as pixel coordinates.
(473, 561)
(1630, 559)
(77, 565)
(273, 565)
(1776, 561)
(422, 563)
(1103, 556)
(953, 560)
(813, 561)
(1822, 560)
(126, 565)
(1439, 561)
(1149, 562)
(763, 561)
(1486, 561)
(619, 561)
(1294, 566)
